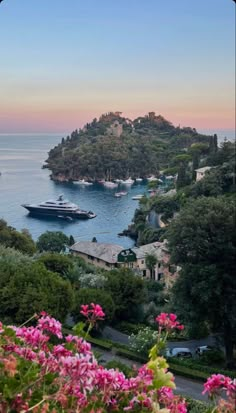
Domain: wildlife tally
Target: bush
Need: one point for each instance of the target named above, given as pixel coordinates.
(130, 355)
(100, 343)
(129, 328)
(143, 341)
(115, 364)
(195, 406)
(196, 366)
(58, 263)
(212, 357)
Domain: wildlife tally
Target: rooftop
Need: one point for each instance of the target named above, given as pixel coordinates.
(204, 169)
(155, 248)
(102, 251)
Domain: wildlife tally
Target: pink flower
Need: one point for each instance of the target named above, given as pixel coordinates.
(1, 327)
(168, 322)
(218, 382)
(49, 324)
(93, 312)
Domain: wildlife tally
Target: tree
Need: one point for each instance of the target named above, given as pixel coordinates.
(27, 287)
(54, 241)
(92, 295)
(71, 240)
(151, 261)
(202, 240)
(21, 241)
(128, 292)
(58, 263)
(182, 161)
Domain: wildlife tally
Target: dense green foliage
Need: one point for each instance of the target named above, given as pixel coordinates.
(26, 287)
(116, 147)
(128, 293)
(21, 241)
(56, 262)
(53, 241)
(220, 180)
(202, 240)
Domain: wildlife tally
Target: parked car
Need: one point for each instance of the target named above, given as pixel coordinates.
(201, 349)
(179, 352)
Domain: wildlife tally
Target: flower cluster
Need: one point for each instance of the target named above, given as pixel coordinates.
(93, 313)
(168, 322)
(218, 382)
(37, 375)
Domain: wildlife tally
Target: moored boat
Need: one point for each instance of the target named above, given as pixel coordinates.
(137, 197)
(128, 181)
(59, 208)
(109, 184)
(82, 182)
(120, 194)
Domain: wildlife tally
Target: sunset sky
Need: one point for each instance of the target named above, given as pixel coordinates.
(62, 63)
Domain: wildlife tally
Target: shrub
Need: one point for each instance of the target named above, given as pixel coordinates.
(129, 328)
(115, 364)
(212, 357)
(195, 406)
(143, 341)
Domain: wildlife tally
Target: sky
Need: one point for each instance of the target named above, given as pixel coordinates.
(63, 63)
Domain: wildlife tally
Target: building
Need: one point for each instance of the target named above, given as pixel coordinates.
(99, 254)
(200, 173)
(110, 256)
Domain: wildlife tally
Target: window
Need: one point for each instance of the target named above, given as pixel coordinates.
(144, 273)
(142, 262)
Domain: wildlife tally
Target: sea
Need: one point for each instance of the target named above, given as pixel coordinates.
(23, 180)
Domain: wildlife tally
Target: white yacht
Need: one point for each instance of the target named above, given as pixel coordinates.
(82, 182)
(128, 181)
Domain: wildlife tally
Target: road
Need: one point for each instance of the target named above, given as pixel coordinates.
(185, 387)
(115, 335)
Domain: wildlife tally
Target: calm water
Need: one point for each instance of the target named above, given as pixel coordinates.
(23, 180)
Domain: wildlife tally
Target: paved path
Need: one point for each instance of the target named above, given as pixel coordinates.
(185, 387)
(115, 335)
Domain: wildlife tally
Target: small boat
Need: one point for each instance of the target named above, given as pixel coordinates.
(109, 184)
(128, 181)
(152, 178)
(138, 180)
(120, 194)
(137, 197)
(82, 182)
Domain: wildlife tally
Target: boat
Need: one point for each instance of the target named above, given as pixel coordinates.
(82, 182)
(137, 197)
(120, 194)
(139, 180)
(109, 184)
(152, 178)
(59, 208)
(128, 181)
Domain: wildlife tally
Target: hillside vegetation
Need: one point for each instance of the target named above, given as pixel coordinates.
(115, 147)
